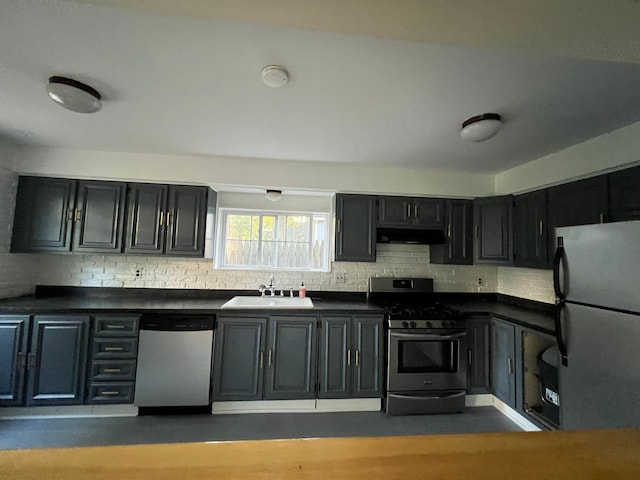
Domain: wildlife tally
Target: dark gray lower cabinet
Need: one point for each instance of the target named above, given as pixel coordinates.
(478, 356)
(14, 333)
(503, 356)
(351, 356)
(57, 360)
(290, 372)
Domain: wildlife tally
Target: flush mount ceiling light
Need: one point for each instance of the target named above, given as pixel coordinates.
(74, 95)
(274, 195)
(481, 127)
(275, 76)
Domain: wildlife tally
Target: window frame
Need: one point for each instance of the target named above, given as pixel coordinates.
(220, 235)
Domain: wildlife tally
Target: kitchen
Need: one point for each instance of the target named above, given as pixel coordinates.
(230, 174)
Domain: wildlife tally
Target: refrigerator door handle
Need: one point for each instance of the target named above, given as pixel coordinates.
(557, 262)
(562, 346)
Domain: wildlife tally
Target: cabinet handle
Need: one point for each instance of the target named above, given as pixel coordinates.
(169, 218)
(469, 356)
(76, 214)
(110, 392)
(408, 210)
(540, 227)
(115, 327)
(161, 218)
(415, 211)
(349, 357)
(21, 361)
(31, 362)
(602, 218)
(113, 349)
(261, 360)
(112, 370)
(357, 357)
(476, 230)
(269, 360)
(69, 214)
(510, 365)
(449, 230)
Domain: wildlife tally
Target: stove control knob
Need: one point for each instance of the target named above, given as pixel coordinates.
(413, 324)
(428, 325)
(405, 324)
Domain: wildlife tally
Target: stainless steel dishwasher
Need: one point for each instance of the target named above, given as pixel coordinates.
(174, 361)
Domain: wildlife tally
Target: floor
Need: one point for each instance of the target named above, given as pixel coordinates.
(75, 432)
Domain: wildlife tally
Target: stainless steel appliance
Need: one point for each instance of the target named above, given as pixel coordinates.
(597, 282)
(174, 361)
(426, 348)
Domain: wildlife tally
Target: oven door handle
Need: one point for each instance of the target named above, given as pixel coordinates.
(427, 397)
(427, 336)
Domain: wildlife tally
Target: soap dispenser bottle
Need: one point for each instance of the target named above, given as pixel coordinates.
(303, 291)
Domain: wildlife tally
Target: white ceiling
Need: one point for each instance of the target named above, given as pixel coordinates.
(381, 93)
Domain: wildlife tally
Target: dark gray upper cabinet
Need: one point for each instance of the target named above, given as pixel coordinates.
(100, 217)
(44, 214)
(406, 212)
(530, 230)
(14, 331)
(503, 368)
(239, 349)
(624, 195)
(57, 360)
(478, 356)
(290, 371)
(458, 249)
(186, 217)
(368, 356)
(351, 356)
(355, 228)
(166, 219)
(578, 203)
(492, 218)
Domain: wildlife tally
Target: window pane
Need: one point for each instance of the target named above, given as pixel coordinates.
(239, 227)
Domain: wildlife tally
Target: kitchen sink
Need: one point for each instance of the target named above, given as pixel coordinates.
(268, 302)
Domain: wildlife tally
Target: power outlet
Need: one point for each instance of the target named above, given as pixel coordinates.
(138, 273)
(479, 281)
(339, 277)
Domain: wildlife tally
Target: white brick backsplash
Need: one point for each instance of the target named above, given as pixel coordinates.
(18, 272)
(526, 283)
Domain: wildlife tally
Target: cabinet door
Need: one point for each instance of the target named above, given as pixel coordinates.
(238, 358)
(530, 230)
(187, 212)
(458, 249)
(355, 228)
(493, 230)
(478, 357)
(58, 359)
(335, 357)
(428, 213)
(503, 362)
(395, 211)
(100, 207)
(13, 354)
(624, 195)
(43, 215)
(578, 203)
(290, 371)
(146, 219)
(367, 360)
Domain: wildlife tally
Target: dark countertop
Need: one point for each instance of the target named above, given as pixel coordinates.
(51, 300)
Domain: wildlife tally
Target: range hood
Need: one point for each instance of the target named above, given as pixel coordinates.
(410, 235)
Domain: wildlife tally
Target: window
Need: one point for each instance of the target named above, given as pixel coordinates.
(273, 240)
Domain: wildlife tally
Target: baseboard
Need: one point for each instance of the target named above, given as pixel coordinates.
(264, 406)
(514, 416)
(72, 411)
(349, 405)
(479, 400)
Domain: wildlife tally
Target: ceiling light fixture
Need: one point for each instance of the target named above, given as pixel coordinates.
(275, 76)
(481, 127)
(74, 95)
(274, 195)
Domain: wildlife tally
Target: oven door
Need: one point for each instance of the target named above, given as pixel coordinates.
(426, 360)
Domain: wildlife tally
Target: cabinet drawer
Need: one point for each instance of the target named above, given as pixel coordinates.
(116, 326)
(115, 348)
(121, 392)
(108, 370)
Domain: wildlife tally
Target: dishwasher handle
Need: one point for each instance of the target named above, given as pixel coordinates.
(177, 323)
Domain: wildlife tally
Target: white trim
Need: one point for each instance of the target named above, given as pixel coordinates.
(349, 405)
(514, 416)
(264, 406)
(75, 411)
(479, 400)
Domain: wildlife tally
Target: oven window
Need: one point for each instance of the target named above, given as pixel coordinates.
(422, 356)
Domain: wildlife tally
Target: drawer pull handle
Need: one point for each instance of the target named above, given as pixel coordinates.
(114, 327)
(112, 370)
(110, 392)
(357, 357)
(113, 349)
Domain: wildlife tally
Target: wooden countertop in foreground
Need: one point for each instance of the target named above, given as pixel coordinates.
(595, 454)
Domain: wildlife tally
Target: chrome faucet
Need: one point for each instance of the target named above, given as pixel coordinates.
(272, 289)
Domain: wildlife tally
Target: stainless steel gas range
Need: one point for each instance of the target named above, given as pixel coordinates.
(426, 348)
